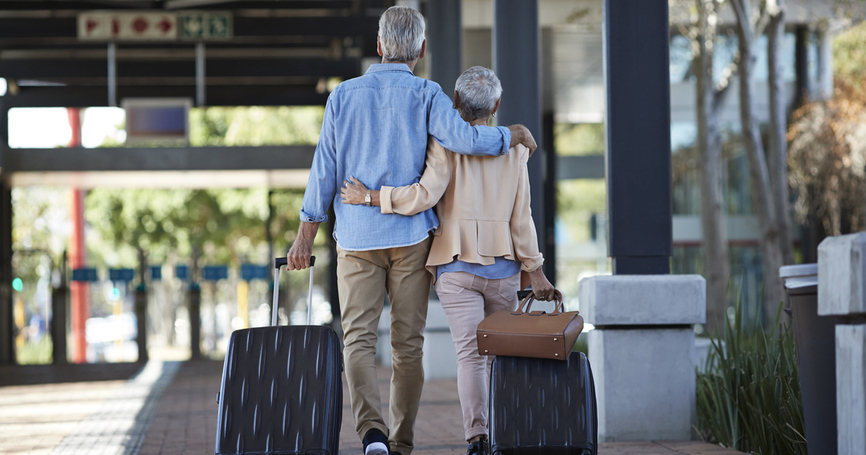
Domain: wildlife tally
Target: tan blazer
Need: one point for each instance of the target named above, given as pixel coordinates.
(483, 207)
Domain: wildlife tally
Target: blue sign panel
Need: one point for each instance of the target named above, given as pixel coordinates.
(85, 274)
(251, 272)
(215, 272)
(181, 272)
(155, 272)
(125, 275)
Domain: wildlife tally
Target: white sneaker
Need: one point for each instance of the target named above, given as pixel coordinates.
(376, 448)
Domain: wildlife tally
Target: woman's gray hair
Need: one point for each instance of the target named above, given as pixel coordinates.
(401, 33)
(479, 89)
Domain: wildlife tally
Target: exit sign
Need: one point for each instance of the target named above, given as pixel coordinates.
(204, 25)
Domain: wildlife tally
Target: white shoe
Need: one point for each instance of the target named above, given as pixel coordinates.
(376, 448)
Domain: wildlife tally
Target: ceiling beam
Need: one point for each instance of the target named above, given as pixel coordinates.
(53, 69)
(216, 95)
(54, 27)
(55, 5)
(158, 159)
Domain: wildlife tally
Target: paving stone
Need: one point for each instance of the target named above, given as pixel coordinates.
(183, 420)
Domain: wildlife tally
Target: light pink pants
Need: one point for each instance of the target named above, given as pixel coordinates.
(467, 299)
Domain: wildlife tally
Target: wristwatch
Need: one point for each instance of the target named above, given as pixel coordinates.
(367, 199)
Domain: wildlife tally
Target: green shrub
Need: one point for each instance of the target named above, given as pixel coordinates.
(749, 397)
(38, 353)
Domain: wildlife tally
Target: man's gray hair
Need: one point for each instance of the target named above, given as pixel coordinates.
(479, 89)
(401, 33)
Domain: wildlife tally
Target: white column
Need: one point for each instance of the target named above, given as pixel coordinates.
(824, 84)
(642, 352)
(842, 293)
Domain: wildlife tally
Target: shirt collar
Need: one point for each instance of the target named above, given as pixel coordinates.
(383, 67)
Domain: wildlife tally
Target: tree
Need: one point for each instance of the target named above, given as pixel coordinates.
(828, 148)
(768, 172)
(777, 158)
(767, 204)
(703, 17)
(709, 99)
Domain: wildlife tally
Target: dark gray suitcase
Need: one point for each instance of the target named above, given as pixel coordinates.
(281, 389)
(543, 406)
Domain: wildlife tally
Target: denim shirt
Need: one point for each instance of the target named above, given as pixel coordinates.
(375, 129)
(501, 268)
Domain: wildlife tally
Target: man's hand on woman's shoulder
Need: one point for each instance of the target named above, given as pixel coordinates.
(521, 135)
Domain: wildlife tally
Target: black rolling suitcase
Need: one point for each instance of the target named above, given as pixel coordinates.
(542, 406)
(281, 389)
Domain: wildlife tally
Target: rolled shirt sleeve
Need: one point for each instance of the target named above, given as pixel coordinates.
(321, 185)
(455, 134)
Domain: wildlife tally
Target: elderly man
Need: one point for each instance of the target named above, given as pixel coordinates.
(376, 127)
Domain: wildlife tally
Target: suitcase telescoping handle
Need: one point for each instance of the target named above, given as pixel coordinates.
(279, 262)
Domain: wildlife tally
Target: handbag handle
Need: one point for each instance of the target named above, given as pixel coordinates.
(527, 302)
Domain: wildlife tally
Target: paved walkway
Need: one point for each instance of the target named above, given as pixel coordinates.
(170, 408)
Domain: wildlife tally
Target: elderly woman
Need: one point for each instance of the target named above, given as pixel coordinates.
(485, 238)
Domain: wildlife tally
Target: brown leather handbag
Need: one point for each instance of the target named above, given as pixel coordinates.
(525, 333)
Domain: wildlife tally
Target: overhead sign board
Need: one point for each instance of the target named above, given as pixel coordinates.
(154, 26)
(127, 26)
(204, 25)
(157, 120)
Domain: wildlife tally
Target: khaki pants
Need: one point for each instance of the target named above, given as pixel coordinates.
(466, 300)
(363, 278)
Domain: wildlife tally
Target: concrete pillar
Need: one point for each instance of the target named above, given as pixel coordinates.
(642, 353)
(824, 84)
(141, 321)
(637, 134)
(79, 290)
(7, 324)
(194, 310)
(516, 63)
(842, 293)
(59, 303)
(801, 63)
(444, 43)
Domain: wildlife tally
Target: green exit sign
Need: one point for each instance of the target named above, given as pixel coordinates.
(204, 25)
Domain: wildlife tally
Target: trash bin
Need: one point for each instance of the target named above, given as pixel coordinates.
(815, 339)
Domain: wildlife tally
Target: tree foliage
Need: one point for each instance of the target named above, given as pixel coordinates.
(828, 160)
(256, 125)
(219, 226)
(39, 232)
(225, 226)
(828, 146)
